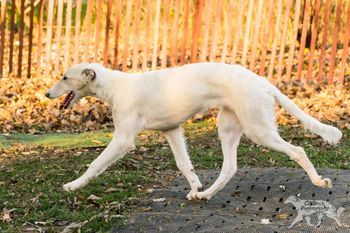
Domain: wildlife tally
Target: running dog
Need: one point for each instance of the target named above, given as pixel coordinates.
(163, 100)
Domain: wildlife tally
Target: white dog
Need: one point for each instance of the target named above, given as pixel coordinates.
(163, 100)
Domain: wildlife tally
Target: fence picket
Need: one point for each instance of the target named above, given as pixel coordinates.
(49, 37)
(227, 20)
(98, 30)
(77, 32)
(214, 42)
(175, 29)
(185, 32)
(108, 25)
(207, 20)
(283, 40)
(313, 39)
(334, 42)
(256, 36)
(21, 35)
(58, 35)
(147, 31)
(266, 39)
(2, 29)
(116, 35)
(275, 41)
(294, 39)
(303, 38)
(40, 31)
(345, 48)
(87, 27)
(196, 29)
(155, 36)
(30, 35)
(247, 33)
(237, 31)
(324, 39)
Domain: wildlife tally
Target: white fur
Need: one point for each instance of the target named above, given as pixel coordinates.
(163, 100)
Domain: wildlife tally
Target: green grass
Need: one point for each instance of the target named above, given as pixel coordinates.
(31, 178)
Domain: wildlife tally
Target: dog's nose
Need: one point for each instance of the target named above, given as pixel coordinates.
(47, 95)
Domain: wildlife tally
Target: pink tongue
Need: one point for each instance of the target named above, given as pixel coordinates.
(67, 100)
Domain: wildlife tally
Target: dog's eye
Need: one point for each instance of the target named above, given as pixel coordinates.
(65, 78)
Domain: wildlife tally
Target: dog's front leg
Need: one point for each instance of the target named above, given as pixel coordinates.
(114, 151)
(177, 143)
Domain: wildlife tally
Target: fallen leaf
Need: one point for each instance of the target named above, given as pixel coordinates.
(110, 190)
(282, 216)
(94, 197)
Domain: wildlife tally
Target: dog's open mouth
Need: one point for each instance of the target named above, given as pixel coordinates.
(67, 100)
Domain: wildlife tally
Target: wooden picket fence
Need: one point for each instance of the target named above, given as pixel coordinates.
(280, 39)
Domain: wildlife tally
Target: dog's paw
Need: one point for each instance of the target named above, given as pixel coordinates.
(327, 183)
(193, 195)
(71, 186)
(324, 183)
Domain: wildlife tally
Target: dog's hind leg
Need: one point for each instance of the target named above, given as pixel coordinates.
(266, 134)
(230, 132)
(177, 143)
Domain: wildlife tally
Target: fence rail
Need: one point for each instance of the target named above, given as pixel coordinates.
(282, 39)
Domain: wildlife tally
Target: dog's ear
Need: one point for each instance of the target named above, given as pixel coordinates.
(89, 74)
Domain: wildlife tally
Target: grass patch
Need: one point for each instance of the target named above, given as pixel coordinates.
(31, 183)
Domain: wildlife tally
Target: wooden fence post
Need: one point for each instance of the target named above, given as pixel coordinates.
(147, 30)
(21, 34)
(87, 25)
(334, 42)
(324, 39)
(196, 29)
(108, 25)
(126, 35)
(48, 37)
(185, 32)
(135, 50)
(40, 31)
(98, 30)
(228, 19)
(116, 35)
(275, 41)
(303, 38)
(31, 22)
(58, 35)
(155, 37)
(2, 29)
(207, 20)
(345, 48)
(77, 31)
(175, 27)
(68, 28)
(247, 31)
(216, 32)
(283, 40)
(165, 34)
(237, 31)
(313, 39)
(266, 39)
(256, 36)
(295, 35)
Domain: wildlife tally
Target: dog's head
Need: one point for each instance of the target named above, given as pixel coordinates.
(77, 81)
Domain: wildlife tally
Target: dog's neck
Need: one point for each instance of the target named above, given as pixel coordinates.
(104, 81)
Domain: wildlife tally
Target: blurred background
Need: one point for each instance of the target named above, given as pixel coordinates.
(293, 43)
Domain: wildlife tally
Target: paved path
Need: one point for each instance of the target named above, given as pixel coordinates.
(253, 201)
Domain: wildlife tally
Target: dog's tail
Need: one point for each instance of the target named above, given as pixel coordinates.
(329, 133)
